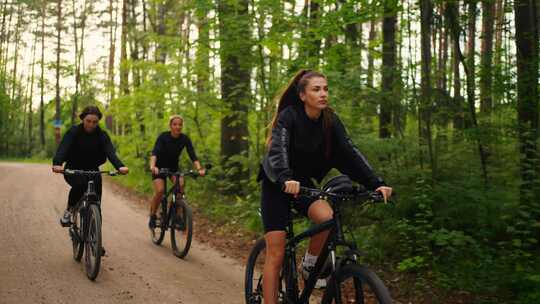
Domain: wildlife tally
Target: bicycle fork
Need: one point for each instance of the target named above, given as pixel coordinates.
(291, 276)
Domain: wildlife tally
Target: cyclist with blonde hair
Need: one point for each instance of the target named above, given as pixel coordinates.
(165, 154)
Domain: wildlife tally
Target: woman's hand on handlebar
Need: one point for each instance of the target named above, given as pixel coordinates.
(123, 170)
(57, 169)
(292, 187)
(202, 171)
(386, 192)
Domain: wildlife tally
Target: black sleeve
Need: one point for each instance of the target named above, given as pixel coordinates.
(277, 159)
(190, 150)
(350, 161)
(63, 149)
(110, 152)
(158, 146)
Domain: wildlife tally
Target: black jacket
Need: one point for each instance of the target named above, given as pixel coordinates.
(167, 150)
(300, 150)
(85, 151)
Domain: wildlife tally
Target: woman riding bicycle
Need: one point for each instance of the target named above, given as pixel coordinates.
(166, 154)
(307, 139)
(84, 147)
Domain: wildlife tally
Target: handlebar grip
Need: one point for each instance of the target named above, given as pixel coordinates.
(377, 197)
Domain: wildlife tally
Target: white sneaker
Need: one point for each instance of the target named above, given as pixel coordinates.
(65, 220)
(306, 270)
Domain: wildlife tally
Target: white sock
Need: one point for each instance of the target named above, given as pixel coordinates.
(309, 260)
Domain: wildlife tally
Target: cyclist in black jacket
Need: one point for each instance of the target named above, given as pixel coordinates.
(306, 140)
(84, 147)
(166, 153)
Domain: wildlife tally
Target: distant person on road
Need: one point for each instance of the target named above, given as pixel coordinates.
(166, 154)
(84, 147)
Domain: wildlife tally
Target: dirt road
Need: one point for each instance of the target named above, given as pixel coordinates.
(36, 265)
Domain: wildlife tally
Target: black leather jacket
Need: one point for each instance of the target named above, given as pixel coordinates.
(299, 150)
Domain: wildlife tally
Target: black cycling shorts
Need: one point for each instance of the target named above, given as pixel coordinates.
(160, 176)
(275, 204)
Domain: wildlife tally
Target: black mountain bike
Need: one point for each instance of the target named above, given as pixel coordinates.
(175, 214)
(349, 282)
(85, 226)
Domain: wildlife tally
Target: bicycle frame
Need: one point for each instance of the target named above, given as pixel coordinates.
(89, 197)
(175, 190)
(335, 239)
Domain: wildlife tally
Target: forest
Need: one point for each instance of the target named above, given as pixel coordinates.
(442, 97)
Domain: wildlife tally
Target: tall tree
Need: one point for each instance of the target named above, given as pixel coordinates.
(469, 69)
(486, 74)
(389, 70)
(371, 52)
(527, 93)
(113, 25)
(124, 71)
(235, 47)
(426, 15)
(42, 76)
(59, 22)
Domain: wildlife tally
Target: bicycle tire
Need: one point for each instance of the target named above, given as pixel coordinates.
(158, 233)
(93, 242)
(368, 287)
(181, 228)
(75, 234)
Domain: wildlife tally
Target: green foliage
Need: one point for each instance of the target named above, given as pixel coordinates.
(449, 229)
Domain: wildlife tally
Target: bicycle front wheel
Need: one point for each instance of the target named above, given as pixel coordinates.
(75, 234)
(157, 233)
(356, 284)
(92, 245)
(181, 229)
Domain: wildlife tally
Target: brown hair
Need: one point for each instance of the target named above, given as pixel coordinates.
(290, 96)
(90, 110)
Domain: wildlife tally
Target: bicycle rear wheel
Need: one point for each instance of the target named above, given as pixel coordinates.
(158, 233)
(181, 228)
(75, 234)
(357, 284)
(92, 245)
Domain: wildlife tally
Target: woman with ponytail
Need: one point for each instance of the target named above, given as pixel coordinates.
(305, 141)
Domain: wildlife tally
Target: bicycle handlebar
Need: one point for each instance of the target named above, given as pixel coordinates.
(89, 172)
(192, 173)
(373, 196)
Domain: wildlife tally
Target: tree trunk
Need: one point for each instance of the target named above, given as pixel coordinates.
(57, 116)
(371, 51)
(426, 15)
(16, 55)
(388, 68)
(124, 71)
(235, 30)
(471, 48)
(486, 74)
(458, 106)
(527, 95)
(113, 24)
(498, 93)
(455, 29)
(30, 98)
(42, 78)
